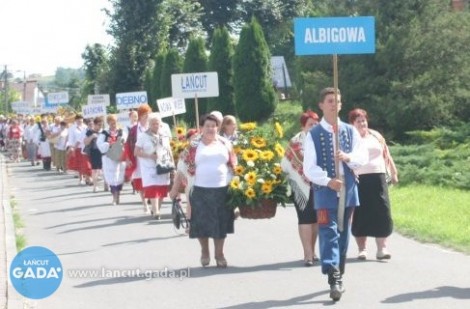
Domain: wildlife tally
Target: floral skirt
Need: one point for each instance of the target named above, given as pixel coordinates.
(210, 215)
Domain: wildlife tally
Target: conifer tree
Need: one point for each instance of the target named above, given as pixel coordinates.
(255, 97)
(171, 65)
(220, 61)
(195, 61)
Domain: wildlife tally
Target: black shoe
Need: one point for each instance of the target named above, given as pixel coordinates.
(335, 281)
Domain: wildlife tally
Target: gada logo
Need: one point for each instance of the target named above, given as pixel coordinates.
(36, 272)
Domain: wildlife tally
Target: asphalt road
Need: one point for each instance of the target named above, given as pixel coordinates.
(110, 244)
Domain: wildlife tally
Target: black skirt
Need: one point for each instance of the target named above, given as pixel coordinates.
(373, 217)
(308, 215)
(210, 215)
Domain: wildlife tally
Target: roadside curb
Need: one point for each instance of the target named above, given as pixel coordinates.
(13, 299)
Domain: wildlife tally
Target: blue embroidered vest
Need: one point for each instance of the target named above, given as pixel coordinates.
(325, 197)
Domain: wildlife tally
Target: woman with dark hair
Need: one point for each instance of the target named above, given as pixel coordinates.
(373, 217)
(208, 166)
(94, 154)
(302, 195)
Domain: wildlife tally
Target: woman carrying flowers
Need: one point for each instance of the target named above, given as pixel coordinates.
(208, 164)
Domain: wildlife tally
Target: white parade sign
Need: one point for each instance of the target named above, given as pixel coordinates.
(123, 119)
(99, 99)
(20, 106)
(128, 100)
(171, 106)
(58, 97)
(191, 85)
(95, 110)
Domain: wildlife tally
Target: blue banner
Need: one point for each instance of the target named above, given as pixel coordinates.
(334, 35)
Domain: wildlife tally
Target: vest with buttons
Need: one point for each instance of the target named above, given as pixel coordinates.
(325, 197)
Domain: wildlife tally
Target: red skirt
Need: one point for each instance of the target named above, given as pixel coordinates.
(137, 183)
(156, 191)
(73, 160)
(85, 166)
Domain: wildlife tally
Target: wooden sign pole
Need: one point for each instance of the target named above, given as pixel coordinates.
(197, 111)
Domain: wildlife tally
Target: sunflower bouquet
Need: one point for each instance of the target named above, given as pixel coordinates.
(179, 142)
(258, 175)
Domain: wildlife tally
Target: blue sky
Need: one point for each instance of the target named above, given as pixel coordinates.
(40, 35)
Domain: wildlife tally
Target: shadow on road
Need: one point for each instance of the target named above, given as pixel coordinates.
(439, 292)
(299, 300)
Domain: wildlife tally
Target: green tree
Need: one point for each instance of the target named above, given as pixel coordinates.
(171, 65)
(95, 66)
(220, 61)
(133, 24)
(220, 13)
(195, 60)
(157, 76)
(254, 91)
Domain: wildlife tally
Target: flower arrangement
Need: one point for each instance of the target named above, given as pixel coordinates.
(179, 142)
(258, 175)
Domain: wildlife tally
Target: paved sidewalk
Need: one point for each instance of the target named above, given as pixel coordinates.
(102, 247)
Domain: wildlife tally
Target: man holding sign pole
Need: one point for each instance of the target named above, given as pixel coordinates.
(321, 155)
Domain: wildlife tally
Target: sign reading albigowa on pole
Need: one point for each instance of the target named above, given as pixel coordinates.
(334, 35)
(190, 85)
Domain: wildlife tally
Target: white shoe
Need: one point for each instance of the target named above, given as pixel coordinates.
(383, 254)
(362, 255)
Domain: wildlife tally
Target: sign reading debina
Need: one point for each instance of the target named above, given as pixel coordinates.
(334, 35)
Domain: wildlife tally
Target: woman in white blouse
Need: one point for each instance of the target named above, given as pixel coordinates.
(150, 148)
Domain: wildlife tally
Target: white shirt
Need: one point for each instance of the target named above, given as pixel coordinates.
(76, 136)
(30, 132)
(211, 165)
(376, 162)
(315, 173)
(147, 166)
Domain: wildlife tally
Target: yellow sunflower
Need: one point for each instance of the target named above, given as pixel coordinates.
(279, 130)
(237, 149)
(266, 155)
(248, 126)
(180, 131)
(250, 178)
(279, 150)
(267, 187)
(250, 155)
(250, 193)
(277, 169)
(258, 142)
(239, 170)
(235, 183)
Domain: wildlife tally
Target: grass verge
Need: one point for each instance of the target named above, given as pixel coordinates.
(19, 225)
(433, 214)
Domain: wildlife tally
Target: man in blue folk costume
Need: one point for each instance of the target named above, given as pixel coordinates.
(329, 157)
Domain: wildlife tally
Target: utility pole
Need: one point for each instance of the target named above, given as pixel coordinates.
(5, 88)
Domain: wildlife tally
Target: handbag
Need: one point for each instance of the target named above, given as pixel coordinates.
(115, 151)
(177, 215)
(165, 164)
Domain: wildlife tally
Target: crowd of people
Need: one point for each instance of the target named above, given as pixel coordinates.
(332, 168)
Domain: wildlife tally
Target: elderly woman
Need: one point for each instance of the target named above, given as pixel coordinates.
(373, 218)
(133, 169)
(113, 168)
(151, 148)
(228, 129)
(208, 165)
(292, 165)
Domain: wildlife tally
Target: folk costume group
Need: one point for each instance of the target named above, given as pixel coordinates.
(329, 178)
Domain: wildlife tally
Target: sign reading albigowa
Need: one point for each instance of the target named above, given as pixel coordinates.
(334, 35)
(190, 85)
(128, 100)
(99, 99)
